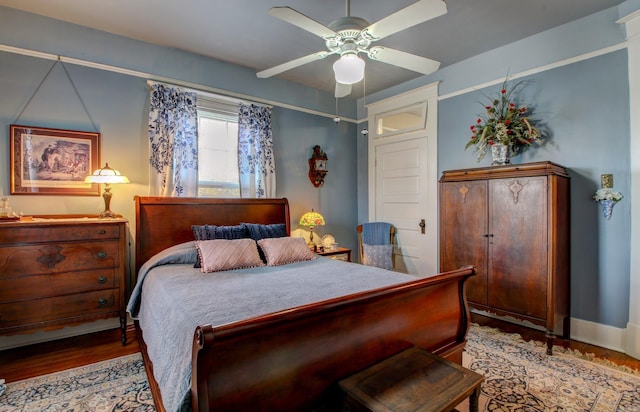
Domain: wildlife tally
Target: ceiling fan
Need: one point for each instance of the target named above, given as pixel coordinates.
(350, 36)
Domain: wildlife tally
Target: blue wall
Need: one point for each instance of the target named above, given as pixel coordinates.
(586, 116)
(584, 106)
(118, 105)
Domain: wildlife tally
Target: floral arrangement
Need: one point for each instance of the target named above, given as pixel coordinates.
(504, 122)
(607, 194)
(608, 199)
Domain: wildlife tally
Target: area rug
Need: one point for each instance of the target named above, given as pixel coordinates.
(520, 376)
(118, 384)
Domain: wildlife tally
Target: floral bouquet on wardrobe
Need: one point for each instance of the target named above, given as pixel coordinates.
(504, 122)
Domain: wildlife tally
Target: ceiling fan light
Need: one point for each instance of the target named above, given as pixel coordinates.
(349, 69)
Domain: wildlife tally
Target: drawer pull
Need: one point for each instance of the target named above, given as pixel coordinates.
(102, 279)
(102, 302)
(102, 254)
(102, 232)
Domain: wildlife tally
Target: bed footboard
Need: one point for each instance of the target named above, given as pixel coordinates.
(292, 360)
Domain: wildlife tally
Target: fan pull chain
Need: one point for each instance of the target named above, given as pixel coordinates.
(364, 131)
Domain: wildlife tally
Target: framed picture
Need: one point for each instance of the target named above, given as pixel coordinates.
(52, 161)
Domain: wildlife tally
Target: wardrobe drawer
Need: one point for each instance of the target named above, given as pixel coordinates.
(58, 284)
(31, 312)
(58, 258)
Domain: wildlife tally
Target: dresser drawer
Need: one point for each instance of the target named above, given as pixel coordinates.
(60, 271)
(42, 286)
(26, 313)
(58, 258)
(37, 233)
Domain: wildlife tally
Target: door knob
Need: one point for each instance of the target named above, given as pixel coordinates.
(422, 225)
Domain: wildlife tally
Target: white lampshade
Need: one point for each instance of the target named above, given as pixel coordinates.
(106, 175)
(349, 69)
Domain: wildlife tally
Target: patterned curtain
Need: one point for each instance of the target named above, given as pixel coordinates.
(173, 137)
(255, 152)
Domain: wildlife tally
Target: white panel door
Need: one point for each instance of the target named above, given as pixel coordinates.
(403, 181)
(401, 199)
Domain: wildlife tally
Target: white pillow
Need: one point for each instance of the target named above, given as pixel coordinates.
(221, 254)
(377, 255)
(283, 250)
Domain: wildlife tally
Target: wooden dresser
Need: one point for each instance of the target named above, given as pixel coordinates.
(61, 272)
(511, 223)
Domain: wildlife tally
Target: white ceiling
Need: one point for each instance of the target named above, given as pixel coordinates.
(241, 31)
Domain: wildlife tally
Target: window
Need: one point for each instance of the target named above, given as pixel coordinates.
(217, 149)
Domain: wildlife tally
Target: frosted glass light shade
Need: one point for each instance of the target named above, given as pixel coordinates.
(106, 175)
(349, 69)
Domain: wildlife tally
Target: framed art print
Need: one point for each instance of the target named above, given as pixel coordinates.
(47, 161)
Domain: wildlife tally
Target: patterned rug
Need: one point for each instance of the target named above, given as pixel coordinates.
(520, 376)
(118, 384)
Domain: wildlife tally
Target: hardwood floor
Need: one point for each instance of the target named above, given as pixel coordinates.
(34, 360)
(43, 358)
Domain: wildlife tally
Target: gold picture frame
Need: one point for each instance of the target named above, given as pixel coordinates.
(46, 161)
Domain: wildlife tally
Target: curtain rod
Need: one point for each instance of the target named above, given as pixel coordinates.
(210, 95)
(151, 77)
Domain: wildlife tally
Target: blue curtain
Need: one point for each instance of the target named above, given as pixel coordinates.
(255, 152)
(173, 137)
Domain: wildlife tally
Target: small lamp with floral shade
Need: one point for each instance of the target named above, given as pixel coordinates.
(311, 219)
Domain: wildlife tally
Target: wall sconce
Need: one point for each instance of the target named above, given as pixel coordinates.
(606, 196)
(317, 166)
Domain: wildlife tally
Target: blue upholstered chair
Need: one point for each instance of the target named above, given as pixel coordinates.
(375, 244)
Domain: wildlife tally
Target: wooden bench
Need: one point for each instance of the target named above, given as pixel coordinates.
(413, 380)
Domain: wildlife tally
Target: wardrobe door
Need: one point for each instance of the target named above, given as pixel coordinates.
(463, 228)
(518, 256)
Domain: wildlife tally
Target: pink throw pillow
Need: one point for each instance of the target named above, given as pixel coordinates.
(283, 250)
(221, 254)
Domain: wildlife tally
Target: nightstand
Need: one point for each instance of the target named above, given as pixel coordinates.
(341, 253)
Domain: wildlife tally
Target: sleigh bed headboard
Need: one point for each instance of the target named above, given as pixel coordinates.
(162, 222)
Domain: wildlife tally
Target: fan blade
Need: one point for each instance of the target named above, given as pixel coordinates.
(292, 64)
(403, 59)
(304, 22)
(342, 90)
(416, 13)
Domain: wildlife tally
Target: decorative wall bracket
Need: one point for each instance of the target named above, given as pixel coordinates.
(317, 166)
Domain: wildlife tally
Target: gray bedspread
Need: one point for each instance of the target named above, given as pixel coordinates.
(171, 299)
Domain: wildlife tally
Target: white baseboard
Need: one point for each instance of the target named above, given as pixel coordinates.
(14, 341)
(633, 340)
(618, 339)
(598, 334)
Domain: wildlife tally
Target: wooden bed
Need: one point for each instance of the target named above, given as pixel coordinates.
(292, 360)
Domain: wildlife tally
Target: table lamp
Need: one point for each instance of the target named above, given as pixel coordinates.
(106, 176)
(311, 219)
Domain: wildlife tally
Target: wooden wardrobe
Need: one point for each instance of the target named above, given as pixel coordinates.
(511, 223)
